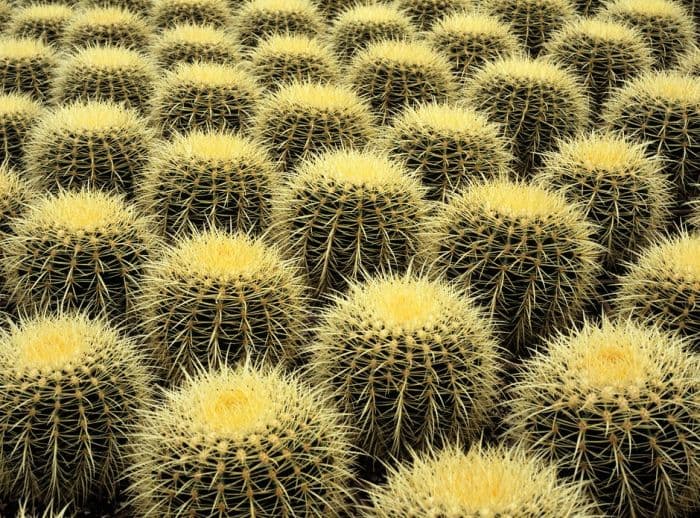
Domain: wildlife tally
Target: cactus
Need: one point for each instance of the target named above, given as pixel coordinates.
(204, 96)
(471, 39)
(106, 26)
(77, 250)
(93, 144)
(347, 214)
(6, 8)
(448, 146)
(604, 55)
(242, 443)
(424, 13)
(413, 362)
(662, 287)
(166, 14)
(622, 190)
(283, 59)
(665, 24)
(206, 179)
(662, 109)
(257, 20)
(534, 21)
(495, 481)
(526, 254)
(537, 102)
(139, 7)
(616, 405)
(108, 73)
(364, 24)
(186, 43)
(46, 22)
(18, 113)
(393, 75)
(72, 389)
(690, 64)
(217, 298)
(306, 118)
(588, 7)
(26, 66)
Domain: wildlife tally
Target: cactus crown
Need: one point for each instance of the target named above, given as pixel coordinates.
(211, 75)
(682, 255)
(108, 15)
(45, 11)
(371, 13)
(91, 117)
(409, 54)
(475, 23)
(666, 86)
(16, 103)
(195, 34)
(446, 118)
(602, 29)
(109, 57)
(319, 97)
(291, 6)
(649, 8)
(23, 48)
(605, 151)
(213, 146)
(528, 70)
(290, 44)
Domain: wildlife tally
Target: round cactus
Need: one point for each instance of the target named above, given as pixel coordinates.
(208, 178)
(471, 39)
(284, 59)
(448, 146)
(26, 66)
(424, 13)
(72, 389)
(604, 55)
(662, 109)
(665, 24)
(526, 254)
(77, 250)
(166, 14)
(18, 113)
(412, 361)
(616, 405)
(347, 214)
(364, 24)
(204, 96)
(257, 20)
(623, 190)
(217, 298)
(106, 26)
(45, 22)
(537, 102)
(393, 75)
(534, 21)
(93, 144)
(498, 481)
(187, 43)
(242, 443)
(663, 287)
(306, 118)
(139, 7)
(105, 73)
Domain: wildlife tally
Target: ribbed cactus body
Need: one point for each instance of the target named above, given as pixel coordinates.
(139, 7)
(424, 13)
(106, 26)
(257, 20)
(187, 43)
(26, 66)
(45, 22)
(18, 114)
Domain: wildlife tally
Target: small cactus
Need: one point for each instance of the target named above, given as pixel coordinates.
(424, 13)
(26, 66)
(187, 43)
(18, 113)
(165, 14)
(616, 405)
(106, 26)
(413, 362)
(242, 443)
(43, 21)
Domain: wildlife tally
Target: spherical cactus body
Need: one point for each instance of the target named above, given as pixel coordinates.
(217, 298)
(412, 361)
(105, 73)
(301, 119)
(622, 190)
(94, 144)
(603, 55)
(204, 96)
(665, 24)
(663, 110)
(26, 66)
(77, 250)
(242, 443)
(524, 252)
(347, 214)
(537, 103)
(106, 26)
(44, 22)
(206, 179)
(498, 481)
(424, 13)
(72, 389)
(448, 146)
(187, 43)
(18, 113)
(284, 59)
(616, 405)
(471, 39)
(364, 24)
(588, 7)
(393, 75)
(168, 13)
(257, 20)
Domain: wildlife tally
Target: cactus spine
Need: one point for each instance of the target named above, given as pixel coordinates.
(187, 43)
(26, 66)
(18, 113)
